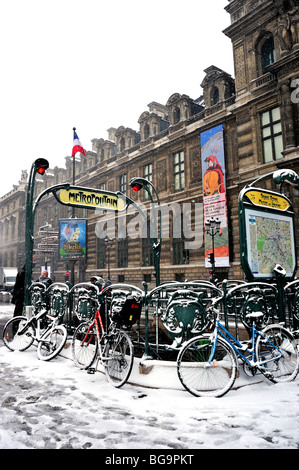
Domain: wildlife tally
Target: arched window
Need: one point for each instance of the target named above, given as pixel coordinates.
(146, 131)
(122, 144)
(176, 115)
(215, 96)
(267, 53)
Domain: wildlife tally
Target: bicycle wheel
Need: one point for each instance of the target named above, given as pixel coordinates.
(280, 368)
(51, 343)
(84, 345)
(12, 338)
(206, 369)
(118, 358)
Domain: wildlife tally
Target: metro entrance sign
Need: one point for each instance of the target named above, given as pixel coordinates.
(81, 197)
(267, 232)
(91, 198)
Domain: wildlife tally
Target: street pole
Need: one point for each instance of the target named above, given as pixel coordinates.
(136, 184)
(72, 262)
(212, 227)
(39, 166)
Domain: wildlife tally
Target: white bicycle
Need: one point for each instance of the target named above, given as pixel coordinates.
(20, 332)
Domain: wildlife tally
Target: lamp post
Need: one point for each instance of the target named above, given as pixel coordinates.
(212, 227)
(39, 166)
(136, 184)
(108, 243)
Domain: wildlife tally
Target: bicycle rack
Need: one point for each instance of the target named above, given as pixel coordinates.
(85, 298)
(181, 311)
(291, 292)
(250, 297)
(58, 299)
(38, 296)
(123, 303)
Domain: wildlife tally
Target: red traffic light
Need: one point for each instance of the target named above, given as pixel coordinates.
(136, 187)
(41, 165)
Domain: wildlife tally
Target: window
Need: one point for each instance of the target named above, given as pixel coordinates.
(148, 175)
(123, 183)
(271, 135)
(176, 115)
(215, 96)
(101, 253)
(122, 261)
(146, 131)
(267, 53)
(147, 252)
(179, 171)
(180, 254)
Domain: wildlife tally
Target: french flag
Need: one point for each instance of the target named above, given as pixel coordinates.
(77, 146)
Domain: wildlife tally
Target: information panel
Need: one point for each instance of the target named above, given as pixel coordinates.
(270, 240)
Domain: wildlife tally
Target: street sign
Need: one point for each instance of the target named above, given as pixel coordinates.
(50, 239)
(45, 246)
(45, 228)
(49, 251)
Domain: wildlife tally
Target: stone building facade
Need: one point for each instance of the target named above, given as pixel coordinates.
(258, 111)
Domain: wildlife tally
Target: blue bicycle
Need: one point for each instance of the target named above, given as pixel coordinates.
(207, 365)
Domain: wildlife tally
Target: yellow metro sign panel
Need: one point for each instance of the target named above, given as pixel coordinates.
(91, 198)
(268, 199)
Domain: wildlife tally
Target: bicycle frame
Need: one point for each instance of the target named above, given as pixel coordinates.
(37, 318)
(238, 347)
(95, 322)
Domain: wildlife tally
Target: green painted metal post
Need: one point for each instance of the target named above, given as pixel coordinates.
(39, 166)
(136, 184)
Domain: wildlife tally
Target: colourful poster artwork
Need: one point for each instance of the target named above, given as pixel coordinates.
(214, 192)
(72, 238)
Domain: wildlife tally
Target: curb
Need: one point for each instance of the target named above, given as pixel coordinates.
(153, 373)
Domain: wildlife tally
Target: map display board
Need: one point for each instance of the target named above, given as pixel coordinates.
(270, 239)
(267, 233)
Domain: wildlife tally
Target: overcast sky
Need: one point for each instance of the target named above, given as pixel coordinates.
(94, 65)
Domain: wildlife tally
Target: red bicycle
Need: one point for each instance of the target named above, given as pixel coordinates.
(112, 349)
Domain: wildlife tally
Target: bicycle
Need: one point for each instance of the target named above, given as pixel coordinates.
(112, 348)
(20, 332)
(207, 365)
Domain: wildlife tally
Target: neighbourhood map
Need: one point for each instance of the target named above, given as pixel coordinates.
(271, 241)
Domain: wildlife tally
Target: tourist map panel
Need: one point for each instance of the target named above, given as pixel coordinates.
(270, 241)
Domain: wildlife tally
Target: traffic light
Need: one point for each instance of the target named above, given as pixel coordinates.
(136, 187)
(41, 165)
(211, 258)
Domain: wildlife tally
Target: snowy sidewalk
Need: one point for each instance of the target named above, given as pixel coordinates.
(54, 405)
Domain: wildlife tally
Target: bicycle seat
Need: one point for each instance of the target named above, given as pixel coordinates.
(254, 315)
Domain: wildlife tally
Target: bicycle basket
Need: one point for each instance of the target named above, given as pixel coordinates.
(126, 310)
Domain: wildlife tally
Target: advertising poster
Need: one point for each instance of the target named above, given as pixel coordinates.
(214, 192)
(72, 238)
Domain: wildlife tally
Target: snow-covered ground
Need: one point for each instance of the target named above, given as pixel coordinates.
(54, 405)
